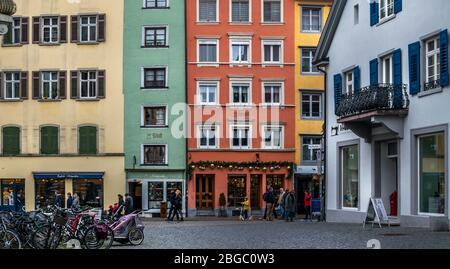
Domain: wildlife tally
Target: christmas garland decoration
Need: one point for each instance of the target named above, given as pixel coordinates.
(240, 166)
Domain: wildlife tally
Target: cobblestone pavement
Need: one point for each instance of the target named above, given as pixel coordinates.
(230, 234)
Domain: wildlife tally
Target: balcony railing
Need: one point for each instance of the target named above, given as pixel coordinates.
(381, 97)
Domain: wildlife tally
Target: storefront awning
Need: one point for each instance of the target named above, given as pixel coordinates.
(68, 175)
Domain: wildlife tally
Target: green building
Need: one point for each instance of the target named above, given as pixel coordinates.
(154, 83)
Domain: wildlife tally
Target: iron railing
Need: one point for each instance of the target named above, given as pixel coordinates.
(373, 98)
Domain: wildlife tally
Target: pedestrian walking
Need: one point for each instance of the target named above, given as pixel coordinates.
(120, 205)
(245, 209)
(58, 202)
(307, 202)
(270, 202)
(265, 201)
(280, 203)
(172, 197)
(75, 201)
(69, 200)
(129, 208)
(178, 201)
(290, 206)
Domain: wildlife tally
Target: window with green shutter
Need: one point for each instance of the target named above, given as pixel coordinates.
(11, 140)
(49, 140)
(87, 140)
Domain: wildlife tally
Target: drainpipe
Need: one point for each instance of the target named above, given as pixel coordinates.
(187, 109)
(323, 190)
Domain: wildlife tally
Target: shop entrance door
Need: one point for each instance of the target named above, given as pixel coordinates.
(204, 191)
(13, 195)
(255, 191)
(135, 189)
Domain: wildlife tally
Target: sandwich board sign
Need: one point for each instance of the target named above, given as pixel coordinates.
(376, 212)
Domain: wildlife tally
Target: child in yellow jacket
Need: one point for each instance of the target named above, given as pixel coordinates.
(245, 209)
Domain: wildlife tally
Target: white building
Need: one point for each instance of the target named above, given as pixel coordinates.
(388, 109)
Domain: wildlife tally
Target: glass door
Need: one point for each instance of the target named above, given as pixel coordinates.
(204, 191)
(255, 191)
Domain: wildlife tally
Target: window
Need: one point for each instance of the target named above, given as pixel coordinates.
(88, 84)
(311, 146)
(16, 31)
(155, 3)
(49, 85)
(432, 173)
(386, 8)
(272, 11)
(356, 14)
(273, 137)
(349, 83)
(50, 29)
(154, 78)
(12, 85)
(207, 51)
(155, 116)
(90, 192)
(240, 52)
(87, 143)
(272, 53)
(311, 19)
(307, 61)
(45, 191)
(350, 176)
(155, 37)
(155, 194)
(49, 140)
(311, 105)
(240, 137)
(207, 93)
(240, 93)
(207, 10)
(273, 93)
(85, 28)
(11, 140)
(88, 28)
(208, 137)
(433, 60)
(387, 70)
(237, 190)
(155, 154)
(240, 11)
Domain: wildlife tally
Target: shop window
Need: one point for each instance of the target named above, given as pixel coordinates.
(12, 194)
(350, 176)
(90, 192)
(432, 187)
(172, 187)
(237, 190)
(45, 191)
(155, 194)
(276, 182)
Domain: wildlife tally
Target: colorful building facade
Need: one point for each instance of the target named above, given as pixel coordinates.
(62, 104)
(310, 18)
(241, 101)
(155, 94)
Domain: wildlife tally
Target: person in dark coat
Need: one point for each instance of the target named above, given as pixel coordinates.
(270, 200)
(171, 199)
(120, 204)
(128, 204)
(290, 205)
(178, 203)
(58, 202)
(69, 200)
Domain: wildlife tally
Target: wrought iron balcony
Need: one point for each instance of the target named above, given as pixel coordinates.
(381, 97)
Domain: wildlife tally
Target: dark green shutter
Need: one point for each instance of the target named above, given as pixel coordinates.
(337, 91)
(49, 140)
(374, 73)
(374, 13)
(444, 58)
(7, 39)
(87, 140)
(357, 76)
(414, 68)
(11, 141)
(398, 6)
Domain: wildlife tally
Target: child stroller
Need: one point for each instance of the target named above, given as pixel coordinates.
(128, 229)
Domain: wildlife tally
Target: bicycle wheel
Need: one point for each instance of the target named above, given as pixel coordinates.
(136, 236)
(45, 238)
(91, 239)
(9, 240)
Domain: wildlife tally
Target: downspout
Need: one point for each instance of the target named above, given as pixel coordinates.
(323, 191)
(186, 183)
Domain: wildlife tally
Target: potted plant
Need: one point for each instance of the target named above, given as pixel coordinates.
(222, 203)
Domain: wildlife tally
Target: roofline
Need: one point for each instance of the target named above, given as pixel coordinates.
(330, 28)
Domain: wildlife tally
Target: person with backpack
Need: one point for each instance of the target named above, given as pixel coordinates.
(270, 202)
(290, 204)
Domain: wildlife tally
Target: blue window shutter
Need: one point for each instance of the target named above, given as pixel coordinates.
(444, 59)
(357, 78)
(398, 6)
(374, 72)
(374, 16)
(414, 68)
(397, 65)
(337, 91)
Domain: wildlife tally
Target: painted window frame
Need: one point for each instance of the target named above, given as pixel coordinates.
(244, 41)
(311, 8)
(311, 151)
(241, 82)
(166, 158)
(14, 83)
(263, 21)
(156, 88)
(51, 26)
(208, 127)
(146, 28)
(211, 41)
(348, 82)
(436, 57)
(310, 101)
(16, 26)
(383, 73)
(50, 81)
(249, 13)
(340, 148)
(146, 6)
(89, 25)
(273, 83)
(208, 84)
(264, 130)
(166, 116)
(269, 42)
(311, 53)
(208, 21)
(89, 81)
(384, 5)
(241, 127)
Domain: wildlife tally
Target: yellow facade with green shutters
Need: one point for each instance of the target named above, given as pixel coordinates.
(98, 173)
(307, 35)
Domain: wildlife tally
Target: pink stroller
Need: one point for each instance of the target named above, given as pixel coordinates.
(128, 229)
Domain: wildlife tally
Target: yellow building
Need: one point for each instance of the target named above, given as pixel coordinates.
(61, 103)
(310, 17)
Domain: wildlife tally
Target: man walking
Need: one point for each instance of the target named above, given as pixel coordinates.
(172, 196)
(128, 204)
(69, 200)
(270, 201)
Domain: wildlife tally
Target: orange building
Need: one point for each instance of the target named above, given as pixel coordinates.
(241, 81)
